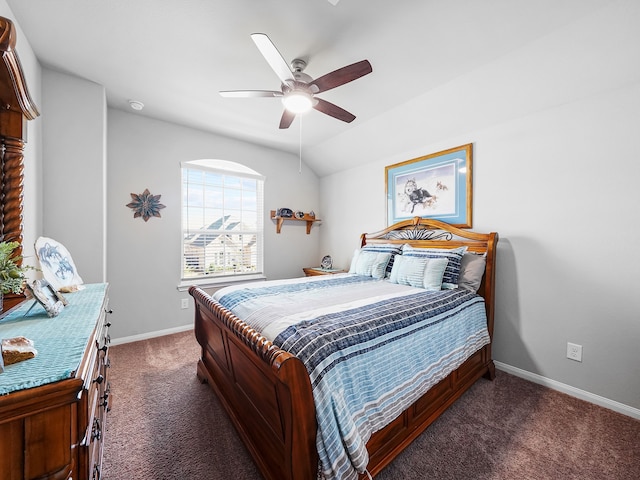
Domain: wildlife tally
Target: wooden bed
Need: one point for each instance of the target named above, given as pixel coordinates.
(267, 392)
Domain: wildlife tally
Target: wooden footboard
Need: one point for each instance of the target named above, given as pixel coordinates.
(267, 391)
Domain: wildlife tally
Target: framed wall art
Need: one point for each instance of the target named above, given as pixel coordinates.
(438, 186)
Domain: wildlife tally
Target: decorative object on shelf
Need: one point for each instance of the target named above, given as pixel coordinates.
(326, 262)
(438, 186)
(145, 205)
(280, 219)
(312, 214)
(284, 213)
(56, 264)
(299, 215)
(47, 296)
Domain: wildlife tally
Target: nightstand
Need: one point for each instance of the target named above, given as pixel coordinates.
(312, 271)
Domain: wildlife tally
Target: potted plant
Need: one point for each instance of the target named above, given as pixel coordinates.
(12, 275)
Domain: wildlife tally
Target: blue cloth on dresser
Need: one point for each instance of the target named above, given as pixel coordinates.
(60, 341)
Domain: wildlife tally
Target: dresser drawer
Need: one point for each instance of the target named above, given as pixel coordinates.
(95, 403)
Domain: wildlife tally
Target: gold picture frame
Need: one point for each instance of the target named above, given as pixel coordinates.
(438, 186)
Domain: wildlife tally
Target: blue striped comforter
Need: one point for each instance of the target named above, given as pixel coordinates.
(369, 355)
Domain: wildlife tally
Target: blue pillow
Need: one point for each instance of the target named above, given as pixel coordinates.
(420, 272)
(409, 271)
(454, 257)
(434, 273)
(385, 248)
(370, 264)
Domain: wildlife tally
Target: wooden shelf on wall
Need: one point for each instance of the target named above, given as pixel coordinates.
(280, 220)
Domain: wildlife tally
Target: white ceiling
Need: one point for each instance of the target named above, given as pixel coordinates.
(175, 55)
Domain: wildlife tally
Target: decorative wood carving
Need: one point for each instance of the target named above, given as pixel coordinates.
(16, 107)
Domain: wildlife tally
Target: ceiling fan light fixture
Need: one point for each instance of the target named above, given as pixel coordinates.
(297, 101)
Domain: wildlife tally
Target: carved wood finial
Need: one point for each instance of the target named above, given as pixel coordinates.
(16, 98)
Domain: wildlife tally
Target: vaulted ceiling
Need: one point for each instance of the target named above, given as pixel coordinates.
(176, 55)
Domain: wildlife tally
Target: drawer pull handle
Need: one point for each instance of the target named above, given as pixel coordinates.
(108, 324)
(99, 379)
(104, 348)
(96, 431)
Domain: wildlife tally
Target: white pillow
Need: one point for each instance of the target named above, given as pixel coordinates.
(370, 264)
(354, 260)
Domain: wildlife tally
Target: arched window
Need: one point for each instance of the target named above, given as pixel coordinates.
(222, 222)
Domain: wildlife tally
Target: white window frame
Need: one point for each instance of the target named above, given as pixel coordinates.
(234, 169)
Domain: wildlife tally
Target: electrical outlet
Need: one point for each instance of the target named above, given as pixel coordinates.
(184, 303)
(574, 352)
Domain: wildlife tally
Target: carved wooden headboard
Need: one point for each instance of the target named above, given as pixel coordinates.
(16, 107)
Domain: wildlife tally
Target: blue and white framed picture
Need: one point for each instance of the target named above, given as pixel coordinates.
(435, 186)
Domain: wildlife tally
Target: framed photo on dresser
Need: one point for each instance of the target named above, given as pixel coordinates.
(51, 300)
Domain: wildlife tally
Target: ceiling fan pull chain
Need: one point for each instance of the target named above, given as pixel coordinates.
(300, 149)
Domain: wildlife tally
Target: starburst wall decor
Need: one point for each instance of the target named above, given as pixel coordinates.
(145, 205)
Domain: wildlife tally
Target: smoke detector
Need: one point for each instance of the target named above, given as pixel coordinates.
(136, 105)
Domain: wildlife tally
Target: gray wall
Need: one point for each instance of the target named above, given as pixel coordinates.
(144, 257)
(554, 128)
(74, 129)
(141, 260)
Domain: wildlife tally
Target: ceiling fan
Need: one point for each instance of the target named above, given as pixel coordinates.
(298, 90)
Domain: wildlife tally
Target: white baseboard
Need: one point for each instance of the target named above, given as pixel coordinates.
(569, 390)
(146, 336)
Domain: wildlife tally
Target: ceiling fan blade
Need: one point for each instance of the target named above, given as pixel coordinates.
(334, 110)
(287, 118)
(342, 75)
(250, 93)
(273, 57)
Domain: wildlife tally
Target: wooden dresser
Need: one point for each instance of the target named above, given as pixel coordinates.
(53, 407)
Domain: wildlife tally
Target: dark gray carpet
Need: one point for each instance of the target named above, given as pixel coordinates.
(165, 425)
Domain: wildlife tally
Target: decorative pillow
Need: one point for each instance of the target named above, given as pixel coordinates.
(454, 257)
(409, 271)
(354, 260)
(371, 264)
(472, 268)
(434, 273)
(385, 248)
(421, 272)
